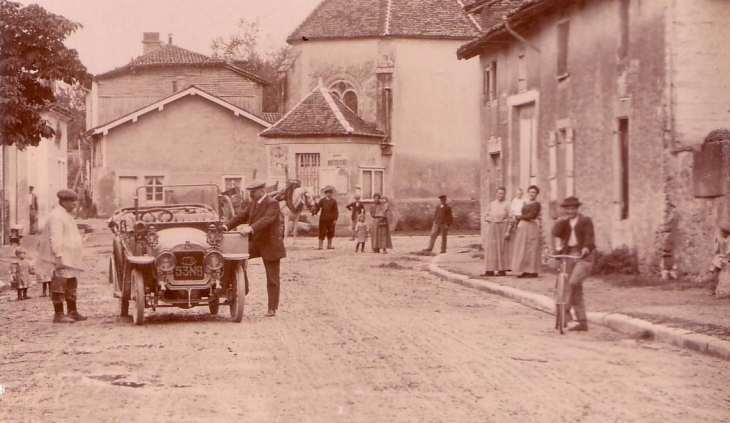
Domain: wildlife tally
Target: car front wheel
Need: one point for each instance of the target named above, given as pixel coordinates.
(239, 293)
(137, 297)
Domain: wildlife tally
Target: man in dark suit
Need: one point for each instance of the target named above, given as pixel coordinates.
(328, 217)
(576, 237)
(442, 219)
(265, 239)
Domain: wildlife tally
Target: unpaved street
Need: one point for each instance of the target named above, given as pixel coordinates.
(360, 337)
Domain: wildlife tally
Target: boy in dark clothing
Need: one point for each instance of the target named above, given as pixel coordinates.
(328, 218)
(576, 237)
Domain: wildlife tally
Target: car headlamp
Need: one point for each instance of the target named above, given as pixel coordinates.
(151, 236)
(214, 260)
(165, 261)
(214, 235)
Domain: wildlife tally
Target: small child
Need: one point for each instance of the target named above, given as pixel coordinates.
(361, 233)
(515, 210)
(45, 281)
(20, 271)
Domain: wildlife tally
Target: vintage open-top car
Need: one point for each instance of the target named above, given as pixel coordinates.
(170, 250)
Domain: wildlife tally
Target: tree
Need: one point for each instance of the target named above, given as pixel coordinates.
(242, 50)
(33, 56)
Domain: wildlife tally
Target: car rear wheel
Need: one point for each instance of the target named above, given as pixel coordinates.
(137, 297)
(239, 291)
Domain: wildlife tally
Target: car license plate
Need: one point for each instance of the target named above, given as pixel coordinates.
(189, 266)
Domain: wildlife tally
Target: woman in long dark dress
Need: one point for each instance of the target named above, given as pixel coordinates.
(526, 250)
(380, 230)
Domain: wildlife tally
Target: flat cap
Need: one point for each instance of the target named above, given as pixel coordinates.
(67, 194)
(570, 202)
(442, 196)
(329, 188)
(256, 185)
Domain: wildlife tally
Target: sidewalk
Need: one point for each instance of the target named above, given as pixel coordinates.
(680, 313)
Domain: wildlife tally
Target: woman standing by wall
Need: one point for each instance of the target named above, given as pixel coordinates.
(526, 250)
(496, 248)
(380, 230)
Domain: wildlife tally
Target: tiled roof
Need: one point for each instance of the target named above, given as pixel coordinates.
(497, 10)
(508, 9)
(172, 55)
(338, 19)
(321, 115)
(270, 117)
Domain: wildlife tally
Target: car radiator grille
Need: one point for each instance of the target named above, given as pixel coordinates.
(189, 266)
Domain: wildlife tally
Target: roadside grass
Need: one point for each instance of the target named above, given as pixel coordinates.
(641, 280)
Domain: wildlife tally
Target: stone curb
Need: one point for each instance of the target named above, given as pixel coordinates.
(619, 322)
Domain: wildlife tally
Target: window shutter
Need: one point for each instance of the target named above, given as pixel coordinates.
(569, 162)
(553, 174)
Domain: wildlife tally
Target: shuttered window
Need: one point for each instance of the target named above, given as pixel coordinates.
(562, 164)
(563, 33)
(372, 182)
(308, 169)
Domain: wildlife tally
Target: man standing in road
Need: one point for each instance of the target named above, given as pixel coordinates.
(265, 241)
(356, 208)
(33, 201)
(328, 217)
(576, 236)
(442, 219)
(60, 253)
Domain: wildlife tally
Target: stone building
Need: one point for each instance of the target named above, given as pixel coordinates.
(393, 64)
(610, 101)
(43, 167)
(172, 116)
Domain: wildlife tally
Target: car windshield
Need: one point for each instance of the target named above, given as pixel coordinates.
(169, 195)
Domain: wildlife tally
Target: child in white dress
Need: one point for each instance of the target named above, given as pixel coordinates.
(361, 233)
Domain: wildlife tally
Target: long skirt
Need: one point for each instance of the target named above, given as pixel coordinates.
(496, 250)
(381, 235)
(526, 249)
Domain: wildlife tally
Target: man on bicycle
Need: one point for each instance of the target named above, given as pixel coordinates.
(576, 237)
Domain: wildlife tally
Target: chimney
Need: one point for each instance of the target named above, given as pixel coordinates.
(150, 42)
(169, 39)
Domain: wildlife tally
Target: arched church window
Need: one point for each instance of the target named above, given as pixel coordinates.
(345, 92)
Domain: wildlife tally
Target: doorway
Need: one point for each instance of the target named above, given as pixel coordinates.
(127, 190)
(523, 164)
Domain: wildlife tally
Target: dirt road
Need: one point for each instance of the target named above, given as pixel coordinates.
(360, 337)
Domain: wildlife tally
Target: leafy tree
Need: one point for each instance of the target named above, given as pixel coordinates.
(241, 49)
(33, 56)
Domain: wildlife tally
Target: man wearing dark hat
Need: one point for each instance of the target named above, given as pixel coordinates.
(265, 237)
(328, 217)
(576, 237)
(60, 255)
(442, 219)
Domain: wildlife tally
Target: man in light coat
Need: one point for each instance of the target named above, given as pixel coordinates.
(60, 254)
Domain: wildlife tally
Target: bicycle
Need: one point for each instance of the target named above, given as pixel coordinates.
(560, 281)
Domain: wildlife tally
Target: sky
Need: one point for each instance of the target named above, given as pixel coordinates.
(112, 29)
